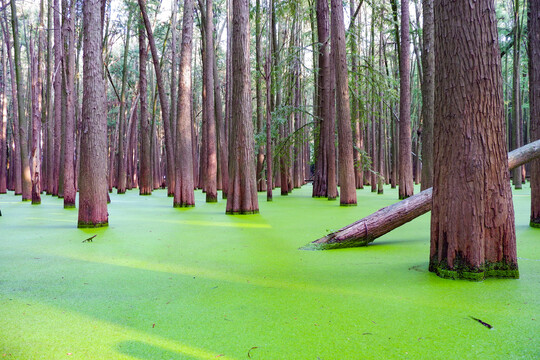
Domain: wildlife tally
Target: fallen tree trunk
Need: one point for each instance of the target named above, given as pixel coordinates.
(366, 230)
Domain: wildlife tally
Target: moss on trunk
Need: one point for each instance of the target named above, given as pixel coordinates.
(463, 271)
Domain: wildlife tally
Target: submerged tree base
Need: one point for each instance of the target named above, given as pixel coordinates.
(69, 206)
(85, 225)
(535, 223)
(242, 212)
(462, 271)
(183, 205)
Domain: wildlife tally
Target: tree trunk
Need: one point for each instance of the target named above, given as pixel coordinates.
(57, 95)
(93, 171)
(69, 161)
(472, 222)
(145, 181)
(261, 184)
(366, 230)
(122, 164)
(268, 80)
(347, 180)
(184, 194)
(3, 123)
(516, 94)
(210, 168)
(428, 93)
(163, 100)
(242, 195)
(23, 120)
(534, 99)
(50, 102)
(222, 135)
(405, 182)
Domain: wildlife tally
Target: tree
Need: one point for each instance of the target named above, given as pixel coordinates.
(23, 120)
(517, 120)
(405, 160)
(69, 71)
(57, 94)
(145, 183)
(162, 98)
(428, 93)
(93, 168)
(242, 194)
(3, 122)
(184, 195)
(347, 181)
(534, 98)
(472, 220)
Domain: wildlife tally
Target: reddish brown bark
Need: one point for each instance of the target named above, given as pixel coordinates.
(472, 220)
(145, 179)
(36, 124)
(534, 98)
(184, 195)
(347, 182)
(428, 93)
(405, 181)
(3, 123)
(242, 195)
(69, 161)
(93, 169)
(57, 95)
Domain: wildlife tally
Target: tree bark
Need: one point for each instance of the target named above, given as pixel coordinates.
(534, 99)
(184, 192)
(93, 168)
(23, 120)
(516, 94)
(472, 228)
(122, 164)
(163, 100)
(261, 184)
(242, 195)
(428, 93)
(405, 182)
(145, 183)
(347, 182)
(3, 123)
(69, 161)
(366, 230)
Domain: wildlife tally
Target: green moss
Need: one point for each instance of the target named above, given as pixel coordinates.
(183, 205)
(69, 206)
(535, 223)
(242, 212)
(85, 225)
(462, 270)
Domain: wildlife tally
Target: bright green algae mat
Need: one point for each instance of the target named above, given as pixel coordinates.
(165, 283)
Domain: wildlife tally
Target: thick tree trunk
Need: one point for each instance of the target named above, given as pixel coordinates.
(428, 93)
(163, 100)
(534, 99)
(69, 161)
(242, 195)
(405, 182)
(347, 182)
(122, 164)
(23, 120)
(145, 181)
(184, 194)
(93, 171)
(3, 123)
(472, 228)
(366, 230)
(210, 168)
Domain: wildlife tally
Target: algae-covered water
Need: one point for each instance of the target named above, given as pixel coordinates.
(165, 283)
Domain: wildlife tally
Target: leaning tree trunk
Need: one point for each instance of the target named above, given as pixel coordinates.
(472, 220)
(242, 195)
(347, 181)
(366, 230)
(169, 149)
(93, 170)
(405, 160)
(428, 93)
(184, 195)
(23, 120)
(534, 99)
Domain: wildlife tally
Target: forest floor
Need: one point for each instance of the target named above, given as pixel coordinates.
(165, 283)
